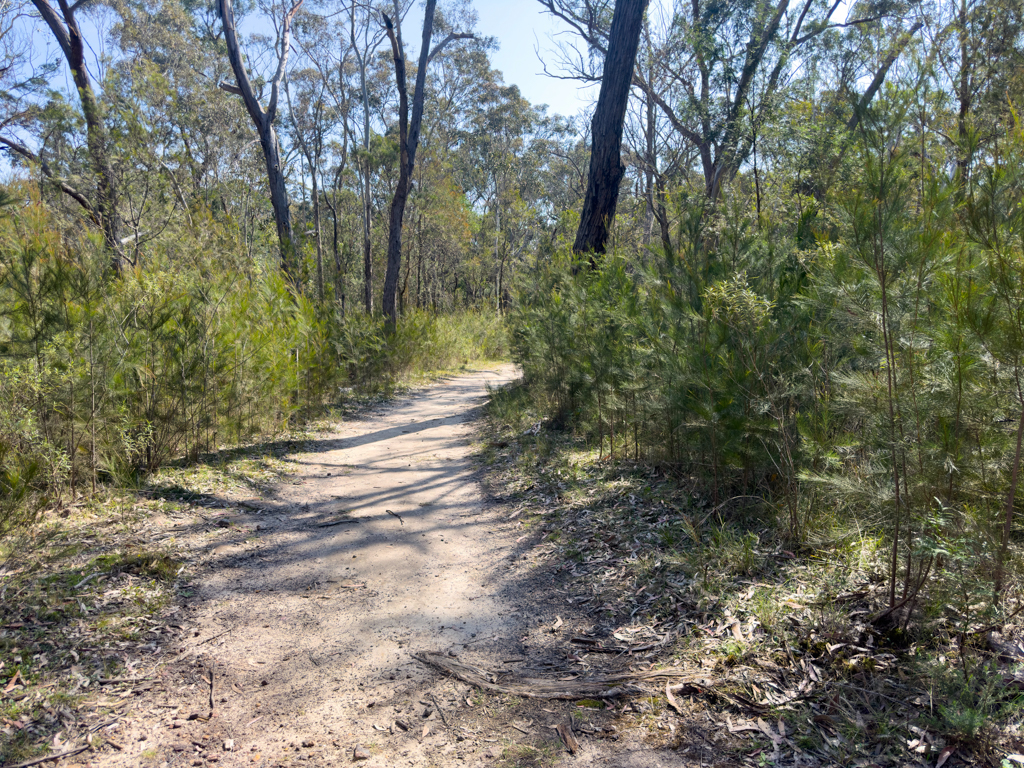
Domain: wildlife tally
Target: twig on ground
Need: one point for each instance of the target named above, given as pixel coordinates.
(395, 514)
(104, 725)
(204, 642)
(47, 758)
(440, 711)
(564, 731)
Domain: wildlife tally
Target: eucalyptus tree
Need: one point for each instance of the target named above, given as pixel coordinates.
(20, 88)
(306, 114)
(500, 170)
(606, 168)
(263, 118)
(102, 205)
(168, 59)
(721, 67)
(409, 136)
(322, 123)
(365, 36)
(977, 53)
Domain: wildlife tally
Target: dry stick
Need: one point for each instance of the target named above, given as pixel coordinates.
(604, 687)
(211, 690)
(336, 522)
(47, 758)
(104, 725)
(204, 642)
(479, 639)
(564, 731)
(395, 514)
(672, 699)
(440, 711)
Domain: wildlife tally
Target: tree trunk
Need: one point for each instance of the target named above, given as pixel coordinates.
(263, 120)
(409, 138)
(319, 244)
(65, 29)
(367, 202)
(339, 276)
(408, 133)
(278, 195)
(606, 168)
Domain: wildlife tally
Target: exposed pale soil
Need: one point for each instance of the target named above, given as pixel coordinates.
(309, 628)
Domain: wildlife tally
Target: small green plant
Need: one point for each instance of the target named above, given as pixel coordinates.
(733, 652)
(973, 697)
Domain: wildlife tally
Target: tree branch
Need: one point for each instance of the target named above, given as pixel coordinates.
(824, 27)
(79, 4)
(451, 38)
(56, 25)
(688, 133)
(245, 90)
(881, 74)
(275, 84)
(64, 187)
(575, 23)
(230, 88)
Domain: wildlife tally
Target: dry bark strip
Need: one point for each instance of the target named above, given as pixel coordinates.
(602, 687)
(564, 731)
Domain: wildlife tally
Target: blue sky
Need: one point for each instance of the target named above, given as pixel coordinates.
(523, 30)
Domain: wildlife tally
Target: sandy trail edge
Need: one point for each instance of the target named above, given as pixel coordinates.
(383, 544)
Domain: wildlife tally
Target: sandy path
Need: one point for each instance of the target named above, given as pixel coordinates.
(309, 626)
(318, 621)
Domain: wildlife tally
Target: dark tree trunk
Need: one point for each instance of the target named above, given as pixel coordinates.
(65, 29)
(606, 168)
(409, 136)
(409, 139)
(861, 107)
(264, 122)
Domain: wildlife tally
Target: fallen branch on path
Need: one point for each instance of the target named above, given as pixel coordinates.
(210, 639)
(212, 713)
(564, 731)
(395, 514)
(601, 687)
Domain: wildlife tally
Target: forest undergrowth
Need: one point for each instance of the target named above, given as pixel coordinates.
(790, 649)
(795, 438)
(141, 409)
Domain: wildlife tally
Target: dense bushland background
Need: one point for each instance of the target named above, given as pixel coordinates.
(854, 361)
(793, 394)
(107, 380)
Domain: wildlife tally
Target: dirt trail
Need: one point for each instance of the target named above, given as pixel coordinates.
(384, 544)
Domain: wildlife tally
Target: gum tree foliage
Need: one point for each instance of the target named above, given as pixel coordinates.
(718, 70)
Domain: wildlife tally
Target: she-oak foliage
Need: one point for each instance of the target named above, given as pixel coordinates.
(858, 369)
